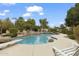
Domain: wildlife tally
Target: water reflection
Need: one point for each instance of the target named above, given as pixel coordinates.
(37, 39)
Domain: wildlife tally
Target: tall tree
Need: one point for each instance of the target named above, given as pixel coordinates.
(72, 18)
(20, 23)
(62, 26)
(30, 23)
(0, 27)
(6, 24)
(63, 29)
(43, 23)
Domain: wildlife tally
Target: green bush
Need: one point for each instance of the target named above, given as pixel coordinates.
(69, 32)
(64, 31)
(76, 33)
(13, 32)
(71, 36)
(54, 30)
(50, 40)
(35, 28)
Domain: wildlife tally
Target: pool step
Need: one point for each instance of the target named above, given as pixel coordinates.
(72, 51)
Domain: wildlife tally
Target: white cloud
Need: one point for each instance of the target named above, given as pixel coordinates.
(26, 14)
(4, 12)
(35, 9)
(41, 13)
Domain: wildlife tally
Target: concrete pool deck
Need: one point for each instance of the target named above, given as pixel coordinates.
(27, 50)
(39, 49)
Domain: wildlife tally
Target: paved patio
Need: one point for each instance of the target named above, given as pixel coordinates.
(27, 50)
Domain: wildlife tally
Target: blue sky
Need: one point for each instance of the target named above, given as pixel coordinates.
(54, 12)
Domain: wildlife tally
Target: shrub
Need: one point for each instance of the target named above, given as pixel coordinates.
(35, 28)
(71, 36)
(76, 33)
(54, 30)
(64, 31)
(13, 32)
(50, 40)
(68, 32)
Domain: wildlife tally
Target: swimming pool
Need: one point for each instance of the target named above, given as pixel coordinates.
(35, 39)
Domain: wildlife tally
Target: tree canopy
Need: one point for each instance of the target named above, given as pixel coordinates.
(43, 23)
(72, 18)
(20, 23)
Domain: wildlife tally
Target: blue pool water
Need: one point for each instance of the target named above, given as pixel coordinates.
(35, 39)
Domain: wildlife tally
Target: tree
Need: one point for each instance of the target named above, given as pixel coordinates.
(20, 23)
(63, 29)
(0, 27)
(30, 24)
(36, 28)
(62, 26)
(13, 31)
(6, 24)
(72, 18)
(43, 23)
(50, 29)
(76, 33)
